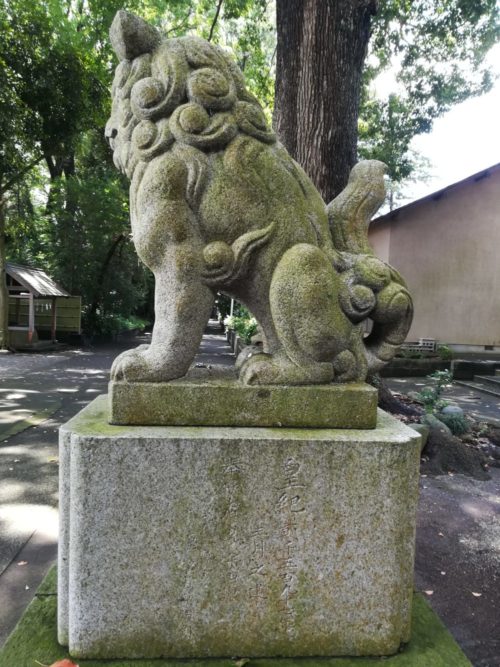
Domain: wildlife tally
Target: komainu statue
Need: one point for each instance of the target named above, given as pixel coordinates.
(217, 204)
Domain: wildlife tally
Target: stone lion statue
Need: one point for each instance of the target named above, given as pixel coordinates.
(217, 204)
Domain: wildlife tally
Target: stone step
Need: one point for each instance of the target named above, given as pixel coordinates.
(492, 381)
(478, 386)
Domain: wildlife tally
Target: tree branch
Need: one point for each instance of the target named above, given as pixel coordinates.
(214, 22)
(19, 175)
(181, 26)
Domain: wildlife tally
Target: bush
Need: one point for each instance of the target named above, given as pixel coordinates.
(430, 397)
(457, 423)
(245, 327)
(109, 325)
(404, 353)
(444, 352)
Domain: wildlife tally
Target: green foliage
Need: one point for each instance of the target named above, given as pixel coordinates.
(444, 352)
(51, 82)
(243, 27)
(223, 304)
(406, 353)
(85, 247)
(438, 51)
(239, 310)
(113, 324)
(430, 397)
(457, 423)
(244, 324)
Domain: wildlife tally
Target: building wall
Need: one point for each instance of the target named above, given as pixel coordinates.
(379, 237)
(68, 313)
(448, 250)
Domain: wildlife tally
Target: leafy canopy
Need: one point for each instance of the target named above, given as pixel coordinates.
(437, 54)
(56, 66)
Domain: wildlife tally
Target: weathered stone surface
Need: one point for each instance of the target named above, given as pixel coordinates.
(423, 429)
(131, 37)
(217, 204)
(215, 398)
(188, 541)
(434, 422)
(431, 644)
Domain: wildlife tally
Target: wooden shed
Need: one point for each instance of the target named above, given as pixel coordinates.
(38, 306)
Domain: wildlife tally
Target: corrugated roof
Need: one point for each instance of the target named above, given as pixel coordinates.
(35, 280)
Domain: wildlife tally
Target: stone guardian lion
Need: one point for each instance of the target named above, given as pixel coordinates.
(217, 204)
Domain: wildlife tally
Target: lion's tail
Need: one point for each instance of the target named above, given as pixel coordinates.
(349, 217)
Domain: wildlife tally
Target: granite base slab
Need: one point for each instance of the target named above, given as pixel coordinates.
(193, 542)
(216, 398)
(35, 635)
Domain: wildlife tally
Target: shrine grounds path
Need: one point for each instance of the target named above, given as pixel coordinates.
(458, 535)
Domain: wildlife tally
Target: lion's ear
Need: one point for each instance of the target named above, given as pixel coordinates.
(131, 36)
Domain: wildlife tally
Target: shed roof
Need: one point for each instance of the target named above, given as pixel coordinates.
(34, 280)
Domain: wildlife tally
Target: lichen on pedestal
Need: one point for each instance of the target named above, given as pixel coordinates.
(220, 541)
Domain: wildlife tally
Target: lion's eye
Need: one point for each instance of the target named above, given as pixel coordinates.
(147, 93)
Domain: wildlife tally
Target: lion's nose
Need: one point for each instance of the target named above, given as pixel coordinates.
(110, 132)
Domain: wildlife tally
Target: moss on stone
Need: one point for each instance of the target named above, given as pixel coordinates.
(219, 403)
(49, 584)
(34, 639)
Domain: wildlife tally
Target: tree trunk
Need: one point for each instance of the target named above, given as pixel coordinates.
(4, 294)
(320, 53)
(102, 274)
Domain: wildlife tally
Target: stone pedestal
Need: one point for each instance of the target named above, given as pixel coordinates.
(201, 541)
(214, 397)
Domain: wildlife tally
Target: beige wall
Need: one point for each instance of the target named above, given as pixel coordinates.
(379, 236)
(448, 250)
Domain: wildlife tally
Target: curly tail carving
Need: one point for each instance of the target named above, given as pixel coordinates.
(350, 213)
(226, 263)
(390, 307)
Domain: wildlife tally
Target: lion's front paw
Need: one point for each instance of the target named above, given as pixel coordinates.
(267, 369)
(258, 369)
(132, 366)
(146, 364)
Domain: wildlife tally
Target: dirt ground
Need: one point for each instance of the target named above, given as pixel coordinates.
(458, 560)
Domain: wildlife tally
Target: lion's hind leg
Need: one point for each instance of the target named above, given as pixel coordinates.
(310, 325)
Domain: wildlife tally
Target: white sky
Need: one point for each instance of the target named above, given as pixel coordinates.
(463, 141)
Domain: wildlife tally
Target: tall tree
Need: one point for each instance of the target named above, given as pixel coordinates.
(323, 75)
(320, 54)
